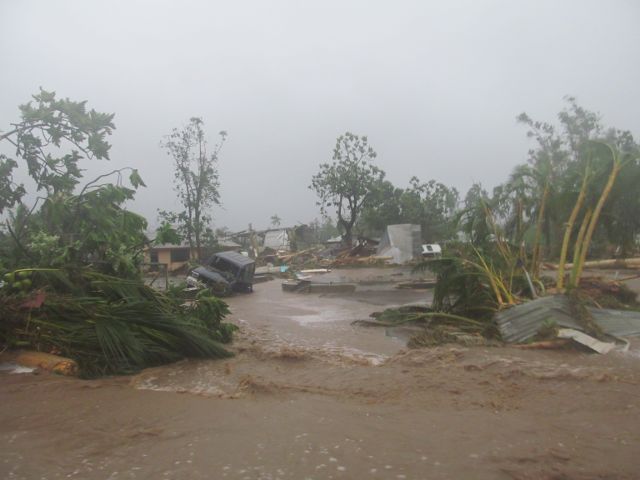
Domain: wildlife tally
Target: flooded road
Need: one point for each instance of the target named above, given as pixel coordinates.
(309, 396)
(325, 321)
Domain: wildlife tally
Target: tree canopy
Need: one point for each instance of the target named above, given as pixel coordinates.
(431, 204)
(348, 181)
(51, 138)
(62, 227)
(196, 181)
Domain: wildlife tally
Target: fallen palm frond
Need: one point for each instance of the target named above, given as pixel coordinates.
(392, 317)
(474, 284)
(438, 327)
(108, 324)
(442, 334)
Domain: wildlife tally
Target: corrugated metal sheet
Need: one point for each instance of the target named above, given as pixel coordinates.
(522, 322)
(619, 323)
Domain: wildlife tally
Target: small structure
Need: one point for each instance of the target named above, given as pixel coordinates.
(173, 256)
(402, 243)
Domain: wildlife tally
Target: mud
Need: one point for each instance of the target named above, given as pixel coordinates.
(308, 395)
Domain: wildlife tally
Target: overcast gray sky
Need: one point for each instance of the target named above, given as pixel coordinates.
(435, 85)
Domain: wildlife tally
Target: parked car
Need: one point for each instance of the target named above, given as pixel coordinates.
(224, 273)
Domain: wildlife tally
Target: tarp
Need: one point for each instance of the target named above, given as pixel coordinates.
(401, 242)
(276, 240)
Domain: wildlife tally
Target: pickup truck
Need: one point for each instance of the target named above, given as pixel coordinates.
(224, 273)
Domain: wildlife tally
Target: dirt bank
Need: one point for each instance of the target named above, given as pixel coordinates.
(310, 396)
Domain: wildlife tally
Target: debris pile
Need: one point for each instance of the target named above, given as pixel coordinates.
(607, 294)
(294, 248)
(600, 329)
(553, 321)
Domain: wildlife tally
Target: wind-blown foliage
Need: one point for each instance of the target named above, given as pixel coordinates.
(478, 282)
(91, 228)
(532, 208)
(47, 125)
(576, 196)
(65, 226)
(196, 181)
(107, 324)
(348, 181)
(431, 204)
(71, 261)
(435, 207)
(473, 220)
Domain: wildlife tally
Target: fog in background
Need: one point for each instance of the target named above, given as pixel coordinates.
(435, 85)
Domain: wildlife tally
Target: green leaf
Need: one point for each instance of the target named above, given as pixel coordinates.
(136, 179)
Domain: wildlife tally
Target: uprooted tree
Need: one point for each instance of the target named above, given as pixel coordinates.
(348, 181)
(196, 181)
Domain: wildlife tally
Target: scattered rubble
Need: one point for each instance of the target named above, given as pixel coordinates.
(418, 284)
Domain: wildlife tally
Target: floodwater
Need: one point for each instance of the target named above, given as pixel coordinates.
(310, 396)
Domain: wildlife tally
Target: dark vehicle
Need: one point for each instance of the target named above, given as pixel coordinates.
(224, 273)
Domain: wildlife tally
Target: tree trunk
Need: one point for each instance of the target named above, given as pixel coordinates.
(578, 246)
(568, 229)
(348, 232)
(198, 244)
(347, 225)
(615, 169)
(535, 256)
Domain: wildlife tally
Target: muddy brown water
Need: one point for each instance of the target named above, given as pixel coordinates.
(309, 396)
